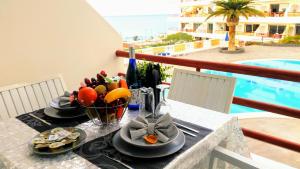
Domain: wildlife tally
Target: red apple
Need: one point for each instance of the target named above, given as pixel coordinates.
(87, 96)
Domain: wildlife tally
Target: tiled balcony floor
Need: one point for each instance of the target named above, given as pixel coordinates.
(252, 52)
(287, 128)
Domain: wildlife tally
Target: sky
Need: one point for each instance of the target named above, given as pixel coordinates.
(135, 7)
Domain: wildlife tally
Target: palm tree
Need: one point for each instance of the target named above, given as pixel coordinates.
(232, 10)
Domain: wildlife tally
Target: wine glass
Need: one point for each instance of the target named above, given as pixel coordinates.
(163, 106)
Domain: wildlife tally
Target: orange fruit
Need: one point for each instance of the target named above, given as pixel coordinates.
(150, 139)
(87, 96)
(117, 94)
(112, 86)
(100, 89)
(123, 83)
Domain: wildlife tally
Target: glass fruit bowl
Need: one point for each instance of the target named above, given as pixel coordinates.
(108, 114)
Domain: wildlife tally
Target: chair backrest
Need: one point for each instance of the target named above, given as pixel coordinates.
(204, 90)
(22, 98)
(231, 158)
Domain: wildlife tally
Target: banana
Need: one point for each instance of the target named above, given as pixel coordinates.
(116, 94)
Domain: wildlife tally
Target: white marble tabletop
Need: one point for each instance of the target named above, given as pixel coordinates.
(15, 135)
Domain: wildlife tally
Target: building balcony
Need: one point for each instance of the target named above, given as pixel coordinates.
(269, 20)
(271, 14)
(283, 14)
(196, 2)
(276, 14)
(293, 14)
(187, 15)
(237, 33)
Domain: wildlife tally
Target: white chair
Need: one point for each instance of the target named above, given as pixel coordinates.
(232, 158)
(22, 98)
(203, 90)
(212, 92)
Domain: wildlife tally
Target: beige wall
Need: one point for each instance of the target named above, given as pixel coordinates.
(42, 38)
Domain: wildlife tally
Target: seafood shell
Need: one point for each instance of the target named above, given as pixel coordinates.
(67, 141)
(40, 146)
(39, 140)
(56, 145)
(72, 130)
(74, 136)
(55, 130)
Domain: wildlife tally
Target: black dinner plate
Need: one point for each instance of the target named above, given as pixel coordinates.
(139, 152)
(125, 135)
(59, 114)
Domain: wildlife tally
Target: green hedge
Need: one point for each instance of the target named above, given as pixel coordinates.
(179, 37)
(291, 40)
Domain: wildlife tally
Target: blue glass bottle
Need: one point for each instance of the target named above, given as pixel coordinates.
(132, 80)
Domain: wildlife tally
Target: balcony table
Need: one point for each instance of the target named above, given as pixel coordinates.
(15, 135)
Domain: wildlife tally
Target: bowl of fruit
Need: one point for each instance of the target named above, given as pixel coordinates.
(105, 99)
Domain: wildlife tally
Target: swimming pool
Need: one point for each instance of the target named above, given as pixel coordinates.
(274, 91)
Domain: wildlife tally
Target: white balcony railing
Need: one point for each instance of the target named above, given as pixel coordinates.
(270, 20)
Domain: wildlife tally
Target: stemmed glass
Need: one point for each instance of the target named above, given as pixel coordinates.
(163, 106)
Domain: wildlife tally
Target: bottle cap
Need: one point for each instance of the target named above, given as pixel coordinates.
(131, 52)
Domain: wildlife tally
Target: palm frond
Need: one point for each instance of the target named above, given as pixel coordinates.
(218, 12)
(243, 13)
(233, 9)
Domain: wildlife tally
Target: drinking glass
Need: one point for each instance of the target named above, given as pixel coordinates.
(146, 101)
(163, 106)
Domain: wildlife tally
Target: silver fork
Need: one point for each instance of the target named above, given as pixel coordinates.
(188, 133)
(186, 127)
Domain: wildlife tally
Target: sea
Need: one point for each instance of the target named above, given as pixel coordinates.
(143, 27)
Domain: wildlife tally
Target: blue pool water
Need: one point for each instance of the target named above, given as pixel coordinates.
(268, 90)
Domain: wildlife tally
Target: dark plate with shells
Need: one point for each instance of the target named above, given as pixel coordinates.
(40, 144)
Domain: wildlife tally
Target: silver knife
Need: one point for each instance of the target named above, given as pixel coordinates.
(188, 133)
(188, 128)
(117, 161)
(42, 120)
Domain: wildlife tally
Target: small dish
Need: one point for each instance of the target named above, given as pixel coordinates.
(55, 104)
